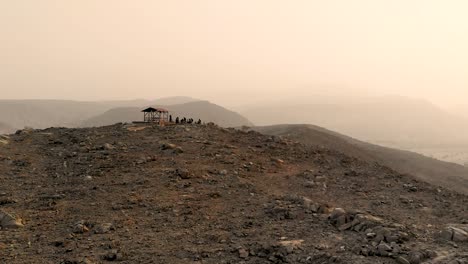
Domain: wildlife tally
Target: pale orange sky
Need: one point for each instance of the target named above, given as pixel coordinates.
(233, 52)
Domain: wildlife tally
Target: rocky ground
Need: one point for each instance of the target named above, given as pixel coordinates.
(204, 194)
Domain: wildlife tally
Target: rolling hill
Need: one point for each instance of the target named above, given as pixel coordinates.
(431, 170)
(204, 110)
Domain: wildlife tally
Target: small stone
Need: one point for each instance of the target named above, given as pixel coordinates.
(345, 226)
(379, 238)
(291, 245)
(108, 146)
(395, 248)
(384, 249)
(165, 146)
(447, 234)
(178, 150)
(80, 227)
(278, 161)
(391, 238)
(243, 253)
(103, 228)
(415, 257)
(175, 149)
(337, 212)
(402, 260)
(9, 221)
(183, 173)
(111, 256)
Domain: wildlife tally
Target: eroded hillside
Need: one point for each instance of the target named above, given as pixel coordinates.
(203, 194)
(433, 171)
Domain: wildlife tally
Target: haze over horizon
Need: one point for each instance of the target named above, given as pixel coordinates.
(233, 52)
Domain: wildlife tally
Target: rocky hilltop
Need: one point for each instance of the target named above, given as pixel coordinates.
(205, 194)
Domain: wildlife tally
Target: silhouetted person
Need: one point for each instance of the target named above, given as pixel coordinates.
(170, 118)
(199, 121)
(177, 120)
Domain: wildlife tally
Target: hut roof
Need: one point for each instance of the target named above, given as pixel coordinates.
(152, 109)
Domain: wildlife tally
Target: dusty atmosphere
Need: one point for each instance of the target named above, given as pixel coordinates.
(247, 131)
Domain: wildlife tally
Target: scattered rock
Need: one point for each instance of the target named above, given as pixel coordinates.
(210, 214)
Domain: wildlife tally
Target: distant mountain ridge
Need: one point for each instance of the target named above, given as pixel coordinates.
(17, 114)
(204, 110)
(392, 119)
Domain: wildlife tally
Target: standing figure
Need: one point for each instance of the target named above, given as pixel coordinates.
(177, 120)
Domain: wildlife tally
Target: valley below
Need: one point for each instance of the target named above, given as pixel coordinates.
(454, 154)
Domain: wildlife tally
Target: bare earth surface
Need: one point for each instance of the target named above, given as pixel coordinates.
(203, 194)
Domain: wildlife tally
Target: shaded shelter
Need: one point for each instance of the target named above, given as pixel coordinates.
(155, 115)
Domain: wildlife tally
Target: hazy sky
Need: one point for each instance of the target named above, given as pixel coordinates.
(233, 52)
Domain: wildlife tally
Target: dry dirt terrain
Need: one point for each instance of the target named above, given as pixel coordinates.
(204, 194)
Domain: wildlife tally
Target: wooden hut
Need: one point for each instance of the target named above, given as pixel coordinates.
(155, 115)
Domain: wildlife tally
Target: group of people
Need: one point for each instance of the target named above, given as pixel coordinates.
(185, 120)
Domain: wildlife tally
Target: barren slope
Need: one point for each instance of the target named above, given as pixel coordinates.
(202, 194)
(449, 175)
